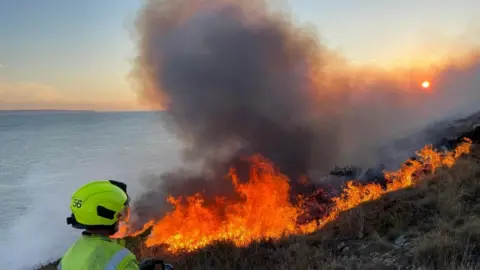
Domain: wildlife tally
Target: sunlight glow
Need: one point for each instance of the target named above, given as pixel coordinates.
(425, 84)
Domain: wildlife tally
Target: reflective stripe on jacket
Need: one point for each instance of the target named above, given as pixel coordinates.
(97, 253)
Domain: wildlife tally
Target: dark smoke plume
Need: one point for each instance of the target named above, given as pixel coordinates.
(228, 74)
(236, 79)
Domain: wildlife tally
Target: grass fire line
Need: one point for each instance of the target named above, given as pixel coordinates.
(266, 212)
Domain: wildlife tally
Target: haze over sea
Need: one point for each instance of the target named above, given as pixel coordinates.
(45, 156)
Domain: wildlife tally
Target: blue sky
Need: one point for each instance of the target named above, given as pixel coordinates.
(80, 50)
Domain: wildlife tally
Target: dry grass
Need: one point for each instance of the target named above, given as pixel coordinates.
(434, 225)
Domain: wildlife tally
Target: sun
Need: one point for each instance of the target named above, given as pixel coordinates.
(425, 84)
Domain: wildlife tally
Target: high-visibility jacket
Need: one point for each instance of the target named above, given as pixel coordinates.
(92, 252)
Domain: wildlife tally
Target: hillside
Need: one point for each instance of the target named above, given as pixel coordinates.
(433, 225)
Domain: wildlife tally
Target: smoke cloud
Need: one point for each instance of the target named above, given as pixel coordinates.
(237, 78)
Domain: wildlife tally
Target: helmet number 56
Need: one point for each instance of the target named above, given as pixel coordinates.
(77, 203)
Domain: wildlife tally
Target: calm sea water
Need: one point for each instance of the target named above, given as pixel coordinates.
(45, 156)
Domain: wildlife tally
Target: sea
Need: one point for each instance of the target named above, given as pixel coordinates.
(46, 155)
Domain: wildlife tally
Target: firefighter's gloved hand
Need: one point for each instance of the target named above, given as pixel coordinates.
(148, 264)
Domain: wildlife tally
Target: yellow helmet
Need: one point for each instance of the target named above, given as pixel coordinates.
(99, 204)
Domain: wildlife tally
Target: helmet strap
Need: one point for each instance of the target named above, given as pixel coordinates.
(111, 229)
(71, 220)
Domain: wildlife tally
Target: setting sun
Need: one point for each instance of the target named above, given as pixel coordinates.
(425, 84)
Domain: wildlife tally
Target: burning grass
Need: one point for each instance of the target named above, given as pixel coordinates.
(434, 223)
(266, 211)
(418, 219)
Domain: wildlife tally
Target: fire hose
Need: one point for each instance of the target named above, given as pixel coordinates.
(150, 264)
(165, 266)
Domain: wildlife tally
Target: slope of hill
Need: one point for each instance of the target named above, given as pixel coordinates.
(433, 225)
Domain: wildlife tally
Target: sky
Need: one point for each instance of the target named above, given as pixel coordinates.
(58, 54)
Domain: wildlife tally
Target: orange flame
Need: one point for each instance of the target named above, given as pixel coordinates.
(265, 210)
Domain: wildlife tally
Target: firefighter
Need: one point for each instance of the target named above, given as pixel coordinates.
(97, 208)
